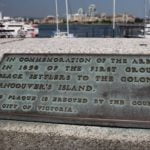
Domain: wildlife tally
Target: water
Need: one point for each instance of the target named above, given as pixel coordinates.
(88, 30)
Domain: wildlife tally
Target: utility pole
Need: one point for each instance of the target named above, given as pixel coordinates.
(114, 17)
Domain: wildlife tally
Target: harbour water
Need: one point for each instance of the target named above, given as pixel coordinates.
(90, 30)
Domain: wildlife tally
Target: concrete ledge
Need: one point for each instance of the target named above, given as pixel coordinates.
(16, 135)
(76, 45)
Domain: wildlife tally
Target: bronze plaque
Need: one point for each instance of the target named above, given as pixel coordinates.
(107, 90)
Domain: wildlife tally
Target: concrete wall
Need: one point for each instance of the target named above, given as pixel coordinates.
(45, 136)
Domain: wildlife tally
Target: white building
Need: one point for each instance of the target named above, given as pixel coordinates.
(92, 10)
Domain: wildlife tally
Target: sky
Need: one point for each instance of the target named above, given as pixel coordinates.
(42, 8)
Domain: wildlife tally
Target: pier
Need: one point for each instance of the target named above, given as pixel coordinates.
(131, 30)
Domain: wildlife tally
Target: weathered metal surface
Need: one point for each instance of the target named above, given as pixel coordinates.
(109, 90)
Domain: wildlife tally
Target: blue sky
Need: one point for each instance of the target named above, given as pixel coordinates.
(42, 8)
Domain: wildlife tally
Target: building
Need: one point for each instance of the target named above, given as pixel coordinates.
(78, 17)
(82, 17)
(50, 20)
(125, 18)
(92, 10)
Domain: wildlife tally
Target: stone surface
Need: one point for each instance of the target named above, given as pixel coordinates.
(51, 88)
(75, 45)
(45, 136)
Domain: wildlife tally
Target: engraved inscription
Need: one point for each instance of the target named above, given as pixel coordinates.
(88, 89)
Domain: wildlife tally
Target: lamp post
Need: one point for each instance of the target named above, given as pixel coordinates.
(114, 17)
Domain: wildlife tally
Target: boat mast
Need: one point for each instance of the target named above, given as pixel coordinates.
(57, 21)
(148, 11)
(145, 14)
(114, 17)
(1, 17)
(67, 15)
(145, 11)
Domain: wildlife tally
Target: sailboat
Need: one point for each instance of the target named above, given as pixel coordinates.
(58, 33)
